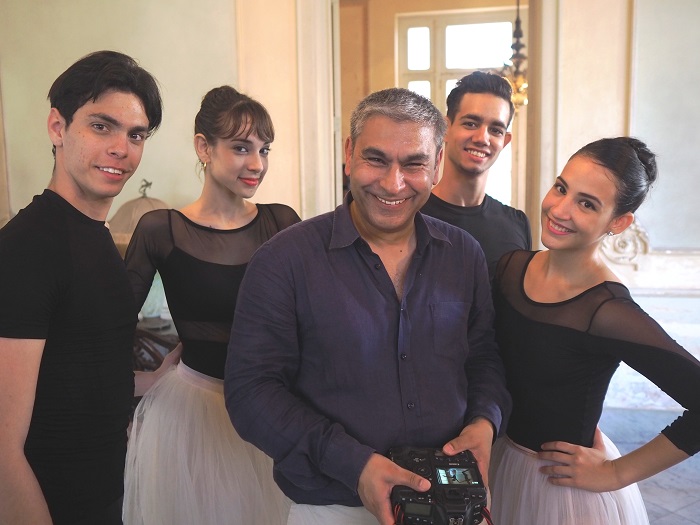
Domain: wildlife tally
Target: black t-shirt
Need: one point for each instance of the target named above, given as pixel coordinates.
(62, 280)
(498, 228)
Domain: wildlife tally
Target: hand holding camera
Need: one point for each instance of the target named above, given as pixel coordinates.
(457, 495)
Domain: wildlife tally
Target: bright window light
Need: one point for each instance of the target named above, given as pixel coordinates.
(477, 46)
(422, 87)
(418, 48)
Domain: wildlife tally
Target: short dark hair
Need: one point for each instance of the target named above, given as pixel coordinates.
(100, 72)
(480, 82)
(632, 164)
(225, 114)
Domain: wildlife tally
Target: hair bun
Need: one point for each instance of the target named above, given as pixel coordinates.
(646, 157)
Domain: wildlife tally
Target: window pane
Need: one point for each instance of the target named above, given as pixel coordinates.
(418, 48)
(450, 85)
(422, 87)
(475, 46)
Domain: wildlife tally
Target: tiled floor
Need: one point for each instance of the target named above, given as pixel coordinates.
(673, 496)
(636, 411)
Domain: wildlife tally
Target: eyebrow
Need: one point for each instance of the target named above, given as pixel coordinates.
(372, 152)
(585, 195)
(247, 141)
(422, 157)
(375, 152)
(116, 123)
(480, 120)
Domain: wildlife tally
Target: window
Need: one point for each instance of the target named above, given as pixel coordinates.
(436, 49)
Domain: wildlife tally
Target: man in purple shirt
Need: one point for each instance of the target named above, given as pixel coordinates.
(366, 328)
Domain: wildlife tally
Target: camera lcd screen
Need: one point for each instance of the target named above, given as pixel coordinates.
(457, 476)
(417, 509)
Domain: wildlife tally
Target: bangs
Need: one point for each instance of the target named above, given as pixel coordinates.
(244, 119)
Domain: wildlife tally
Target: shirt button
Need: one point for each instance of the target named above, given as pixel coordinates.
(377, 266)
(411, 406)
(404, 356)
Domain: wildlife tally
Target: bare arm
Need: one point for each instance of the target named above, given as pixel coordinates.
(588, 469)
(21, 499)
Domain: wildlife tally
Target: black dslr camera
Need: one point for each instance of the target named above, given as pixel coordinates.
(456, 496)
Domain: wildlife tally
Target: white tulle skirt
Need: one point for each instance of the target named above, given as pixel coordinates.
(521, 494)
(186, 464)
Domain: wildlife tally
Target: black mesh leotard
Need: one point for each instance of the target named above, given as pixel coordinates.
(560, 357)
(201, 269)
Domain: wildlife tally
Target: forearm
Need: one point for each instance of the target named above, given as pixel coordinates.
(303, 442)
(21, 499)
(652, 458)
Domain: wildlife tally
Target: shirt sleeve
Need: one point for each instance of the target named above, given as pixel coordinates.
(145, 252)
(263, 359)
(635, 338)
(284, 216)
(487, 394)
(33, 278)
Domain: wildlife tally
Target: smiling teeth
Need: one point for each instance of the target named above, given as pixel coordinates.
(112, 170)
(558, 228)
(390, 203)
(476, 153)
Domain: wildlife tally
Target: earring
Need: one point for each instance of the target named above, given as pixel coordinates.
(610, 234)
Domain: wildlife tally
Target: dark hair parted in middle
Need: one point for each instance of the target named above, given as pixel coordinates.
(225, 113)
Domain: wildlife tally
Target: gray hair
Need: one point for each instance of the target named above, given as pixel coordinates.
(400, 105)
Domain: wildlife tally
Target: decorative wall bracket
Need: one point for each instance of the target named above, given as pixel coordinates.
(626, 247)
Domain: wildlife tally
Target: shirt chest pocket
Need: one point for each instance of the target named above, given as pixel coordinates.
(450, 330)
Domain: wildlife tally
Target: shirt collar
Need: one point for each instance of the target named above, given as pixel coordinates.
(344, 232)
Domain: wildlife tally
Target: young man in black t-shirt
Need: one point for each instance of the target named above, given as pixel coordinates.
(67, 317)
(479, 111)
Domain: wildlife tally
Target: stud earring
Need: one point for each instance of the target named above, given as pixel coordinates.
(610, 234)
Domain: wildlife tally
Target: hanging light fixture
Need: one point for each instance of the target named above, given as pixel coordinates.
(514, 71)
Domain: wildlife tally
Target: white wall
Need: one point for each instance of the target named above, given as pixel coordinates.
(189, 47)
(581, 90)
(665, 113)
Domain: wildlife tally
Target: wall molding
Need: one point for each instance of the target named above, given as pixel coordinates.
(652, 272)
(317, 92)
(5, 211)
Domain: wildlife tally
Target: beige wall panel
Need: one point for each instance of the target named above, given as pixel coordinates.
(354, 50)
(594, 57)
(190, 47)
(267, 71)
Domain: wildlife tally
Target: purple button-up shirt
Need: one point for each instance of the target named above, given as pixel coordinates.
(326, 365)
